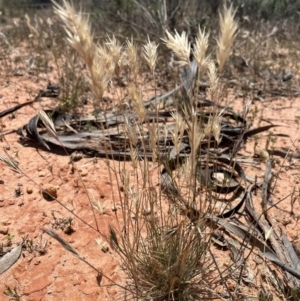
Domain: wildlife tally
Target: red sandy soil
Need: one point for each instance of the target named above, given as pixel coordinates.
(49, 272)
(55, 275)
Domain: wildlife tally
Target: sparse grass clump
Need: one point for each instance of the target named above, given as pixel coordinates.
(165, 263)
(176, 194)
(165, 241)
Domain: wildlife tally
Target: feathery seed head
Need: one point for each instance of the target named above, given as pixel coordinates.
(48, 123)
(228, 27)
(178, 131)
(150, 54)
(153, 135)
(131, 132)
(106, 59)
(180, 45)
(78, 30)
(216, 128)
(200, 49)
(114, 48)
(132, 57)
(213, 126)
(137, 101)
(213, 80)
(98, 78)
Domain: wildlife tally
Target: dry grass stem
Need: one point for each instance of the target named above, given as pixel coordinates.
(177, 133)
(32, 29)
(229, 28)
(195, 135)
(154, 135)
(180, 45)
(11, 163)
(48, 123)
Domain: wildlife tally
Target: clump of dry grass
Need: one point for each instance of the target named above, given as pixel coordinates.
(163, 250)
(168, 264)
(228, 27)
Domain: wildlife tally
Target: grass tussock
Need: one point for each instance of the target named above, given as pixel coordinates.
(164, 248)
(168, 193)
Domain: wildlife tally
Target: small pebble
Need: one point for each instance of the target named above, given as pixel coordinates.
(29, 189)
(76, 156)
(49, 191)
(4, 230)
(6, 222)
(84, 173)
(105, 248)
(42, 174)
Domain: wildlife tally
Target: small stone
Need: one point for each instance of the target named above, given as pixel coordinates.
(84, 173)
(147, 211)
(49, 192)
(29, 189)
(263, 154)
(76, 156)
(4, 230)
(230, 285)
(6, 222)
(105, 248)
(42, 174)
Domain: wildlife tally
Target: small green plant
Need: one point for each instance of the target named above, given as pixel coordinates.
(295, 293)
(63, 223)
(256, 142)
(253, 117)
(11, 293)
(38, 248)
(9, 239)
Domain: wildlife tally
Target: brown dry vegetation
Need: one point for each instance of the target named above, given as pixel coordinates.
(122, 190)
